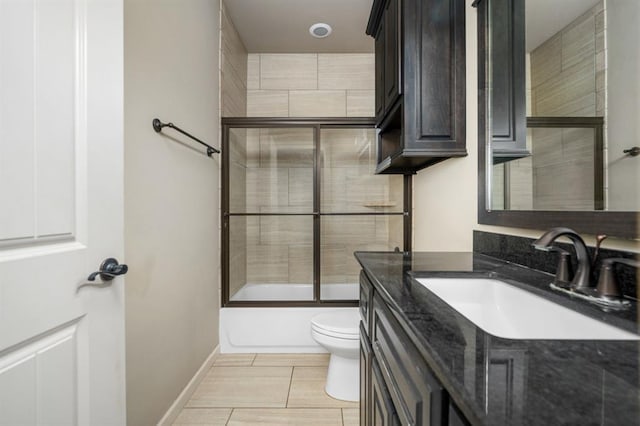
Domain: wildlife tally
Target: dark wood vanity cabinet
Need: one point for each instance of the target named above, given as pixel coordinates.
(420, 82)
(396, 384)
(505, 34)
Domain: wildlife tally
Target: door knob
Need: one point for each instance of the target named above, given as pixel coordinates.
(109, 269)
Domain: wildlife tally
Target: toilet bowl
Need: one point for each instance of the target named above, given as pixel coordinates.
(337, 332)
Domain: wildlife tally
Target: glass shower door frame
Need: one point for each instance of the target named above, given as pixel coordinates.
(316, 125)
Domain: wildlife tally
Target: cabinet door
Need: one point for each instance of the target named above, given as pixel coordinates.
(415, 391)
(392, 27)
(379, 51)
(383, 412)
(508, 91)
(434, 66)
(365, 376)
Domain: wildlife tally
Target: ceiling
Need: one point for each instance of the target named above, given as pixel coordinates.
(282, 26)
(545, 18)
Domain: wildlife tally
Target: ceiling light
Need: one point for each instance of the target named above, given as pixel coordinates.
(320, 30)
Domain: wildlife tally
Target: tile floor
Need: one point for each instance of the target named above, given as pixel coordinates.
(267, 389)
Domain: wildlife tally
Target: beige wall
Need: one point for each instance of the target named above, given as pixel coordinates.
(171, 199)
(310, 85)
(445, 195)
(623, 103)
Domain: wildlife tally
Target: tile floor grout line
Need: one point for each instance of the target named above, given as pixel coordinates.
(231, 414)
(290, 384)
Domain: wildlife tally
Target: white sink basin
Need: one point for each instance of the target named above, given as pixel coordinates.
(512, 313)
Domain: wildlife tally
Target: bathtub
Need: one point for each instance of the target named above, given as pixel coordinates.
(276, 330)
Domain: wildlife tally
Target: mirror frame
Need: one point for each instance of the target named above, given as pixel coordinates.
(618, 224)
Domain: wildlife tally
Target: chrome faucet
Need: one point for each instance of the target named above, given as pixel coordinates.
(582, 278)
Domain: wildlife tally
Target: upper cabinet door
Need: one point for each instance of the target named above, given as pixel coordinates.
(507, 72)
(435, 118)
(392, 25)
(379, 77)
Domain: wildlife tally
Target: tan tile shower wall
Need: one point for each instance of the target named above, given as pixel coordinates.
(310, 85)
(233, 69)
(568, 70)
(233, 103)
(567, 79)
(274, 172)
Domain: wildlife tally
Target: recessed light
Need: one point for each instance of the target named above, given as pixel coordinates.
(320, 30)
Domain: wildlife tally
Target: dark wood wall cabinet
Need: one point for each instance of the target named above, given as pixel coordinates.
(397, 387)
(507, 69)
(420, 82)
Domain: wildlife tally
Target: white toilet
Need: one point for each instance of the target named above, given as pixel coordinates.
(337, 332)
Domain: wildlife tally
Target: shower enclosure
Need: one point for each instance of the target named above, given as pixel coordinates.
(299, 197)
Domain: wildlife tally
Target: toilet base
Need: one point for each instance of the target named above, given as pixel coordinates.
(343, 378)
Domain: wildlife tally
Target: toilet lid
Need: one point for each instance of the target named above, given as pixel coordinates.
(340, 323)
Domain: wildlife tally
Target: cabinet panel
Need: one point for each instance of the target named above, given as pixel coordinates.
(379, 76)
(455, 417)
(366, 299)
(440, 110)
(365, 376)
(508, 95)
(383, 412)
(417, 395)
(391, 53)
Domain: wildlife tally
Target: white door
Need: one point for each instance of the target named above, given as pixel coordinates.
(61, 212)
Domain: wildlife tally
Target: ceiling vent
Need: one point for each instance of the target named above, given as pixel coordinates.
(320, 30)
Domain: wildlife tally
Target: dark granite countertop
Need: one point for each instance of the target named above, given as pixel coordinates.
(497, 381)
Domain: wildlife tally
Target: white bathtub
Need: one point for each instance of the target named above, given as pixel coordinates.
(276, 330)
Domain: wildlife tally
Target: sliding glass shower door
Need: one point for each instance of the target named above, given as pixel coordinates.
(358, 209)
(297, 202)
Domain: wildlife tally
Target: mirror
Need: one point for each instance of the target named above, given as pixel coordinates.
(560, 114)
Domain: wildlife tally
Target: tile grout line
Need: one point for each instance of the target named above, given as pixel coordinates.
(290, 384)
(231, 414)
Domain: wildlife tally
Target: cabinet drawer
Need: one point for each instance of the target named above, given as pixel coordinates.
(366, 299)
(418, 397)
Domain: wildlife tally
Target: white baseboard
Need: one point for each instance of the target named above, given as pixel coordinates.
(177, 406)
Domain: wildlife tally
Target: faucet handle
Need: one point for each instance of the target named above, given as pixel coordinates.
(564, 271)
(607, 284)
